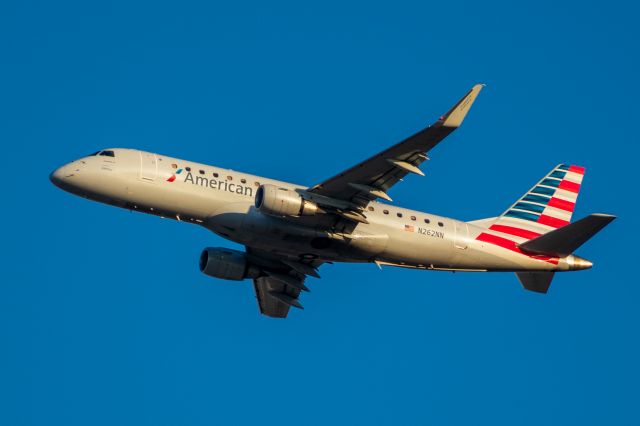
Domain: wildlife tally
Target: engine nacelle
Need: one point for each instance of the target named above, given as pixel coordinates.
(224, 263)
(276, 201)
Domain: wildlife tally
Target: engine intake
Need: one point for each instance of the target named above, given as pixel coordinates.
(224, 263)
(276, 201)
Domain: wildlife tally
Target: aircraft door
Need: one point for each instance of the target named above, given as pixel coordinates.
(461, 235)
(148, 166)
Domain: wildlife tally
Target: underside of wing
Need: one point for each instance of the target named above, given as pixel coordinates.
(372, 178)
(274, 297)
(280, 282)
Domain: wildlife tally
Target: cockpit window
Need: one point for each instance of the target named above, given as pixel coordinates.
(107, 153)
(94, 154)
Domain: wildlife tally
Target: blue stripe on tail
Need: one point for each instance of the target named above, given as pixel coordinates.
(543, 190)
(558, 174)
(536, 199)
(529, 207)
(550, 182)
(522, 215)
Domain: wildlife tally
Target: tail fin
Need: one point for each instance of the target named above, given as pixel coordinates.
(551, 202)
(539, 223)
(547, 206)
(564, 241)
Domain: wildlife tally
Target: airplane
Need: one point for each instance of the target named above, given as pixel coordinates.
(290, 230)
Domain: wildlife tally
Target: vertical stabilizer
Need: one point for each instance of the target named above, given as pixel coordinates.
(547, 206)
(550, 204)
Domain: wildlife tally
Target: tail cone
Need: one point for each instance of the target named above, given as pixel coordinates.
(577, 263)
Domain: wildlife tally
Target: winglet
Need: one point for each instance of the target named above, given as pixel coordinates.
(455, 116)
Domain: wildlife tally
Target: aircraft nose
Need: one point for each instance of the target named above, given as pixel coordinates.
(62, 176)
(57, 176)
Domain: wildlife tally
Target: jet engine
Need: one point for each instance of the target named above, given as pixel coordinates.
(276, 201)
(225, 263)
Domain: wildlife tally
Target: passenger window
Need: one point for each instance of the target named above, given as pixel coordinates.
(201, 172)
(371, 208)
(215, 175)
(243, 180)
(174, 165)
(427, 220)
(440, 224)
(413, 218)
(399, 214)
(229, 178)
(256, 183)
(385, 211)
(188, 169)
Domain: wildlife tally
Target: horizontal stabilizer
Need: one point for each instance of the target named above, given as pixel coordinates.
(535, 281)
(564, 241)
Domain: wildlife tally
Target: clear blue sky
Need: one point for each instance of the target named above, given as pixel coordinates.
(104, 316)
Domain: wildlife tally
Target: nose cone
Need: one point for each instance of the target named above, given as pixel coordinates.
(65, 177)
(57, 177)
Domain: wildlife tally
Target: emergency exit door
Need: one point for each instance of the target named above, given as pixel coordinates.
(148, 166)
(462, 234)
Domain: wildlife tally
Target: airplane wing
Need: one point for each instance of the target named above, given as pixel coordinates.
(373, 177)
(274, 297)
(281, 282)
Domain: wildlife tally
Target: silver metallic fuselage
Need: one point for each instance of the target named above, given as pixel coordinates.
(223, 201)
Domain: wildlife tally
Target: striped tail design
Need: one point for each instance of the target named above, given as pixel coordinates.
(547, 206)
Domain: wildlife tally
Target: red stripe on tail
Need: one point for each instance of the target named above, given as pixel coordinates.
(552, 221)
(511, 245)
(577, 169)
(561, 204)
(498, 241)
(569, 186)
(514, 231)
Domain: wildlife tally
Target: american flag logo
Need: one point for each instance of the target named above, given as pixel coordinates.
(409, 228)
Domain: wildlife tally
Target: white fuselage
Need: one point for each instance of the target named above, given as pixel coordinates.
(223, 201)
